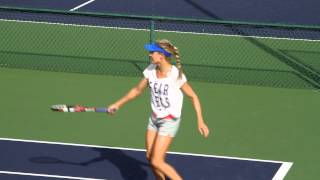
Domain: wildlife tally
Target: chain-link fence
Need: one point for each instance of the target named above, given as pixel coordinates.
(112, 44)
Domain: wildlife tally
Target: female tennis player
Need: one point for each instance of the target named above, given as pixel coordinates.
(166, 82)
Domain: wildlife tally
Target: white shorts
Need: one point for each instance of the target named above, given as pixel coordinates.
(165, 127)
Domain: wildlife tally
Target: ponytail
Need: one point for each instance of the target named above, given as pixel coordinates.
(168, 46)
(176, 54)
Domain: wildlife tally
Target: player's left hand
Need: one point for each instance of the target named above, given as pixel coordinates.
(203, 129)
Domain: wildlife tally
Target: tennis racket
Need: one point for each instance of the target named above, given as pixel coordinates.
(78, 108)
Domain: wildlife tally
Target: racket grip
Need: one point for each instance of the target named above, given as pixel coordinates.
(101, 109)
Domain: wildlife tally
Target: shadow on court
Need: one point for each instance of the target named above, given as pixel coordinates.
(129, 167)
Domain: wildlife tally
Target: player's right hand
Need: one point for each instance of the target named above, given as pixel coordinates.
(112, 109)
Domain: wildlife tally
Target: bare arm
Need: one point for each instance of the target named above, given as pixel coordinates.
(133, 93)
(202, 127)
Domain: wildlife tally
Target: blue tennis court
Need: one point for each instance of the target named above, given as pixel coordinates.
(265, 11)
(35, 159)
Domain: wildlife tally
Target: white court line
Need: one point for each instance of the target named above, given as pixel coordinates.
(283, 170)
(81, 5)
(179, 32)
(46, 175)
(281, 173)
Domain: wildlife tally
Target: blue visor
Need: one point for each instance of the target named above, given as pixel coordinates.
(153, 47)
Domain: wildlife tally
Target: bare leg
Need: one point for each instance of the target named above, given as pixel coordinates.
(159, 149)
(150, 139)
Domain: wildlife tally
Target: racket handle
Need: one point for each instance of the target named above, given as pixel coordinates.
(101, 109)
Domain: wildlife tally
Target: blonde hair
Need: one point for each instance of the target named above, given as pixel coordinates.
(169, 47)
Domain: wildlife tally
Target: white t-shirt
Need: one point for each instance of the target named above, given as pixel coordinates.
(166, 95)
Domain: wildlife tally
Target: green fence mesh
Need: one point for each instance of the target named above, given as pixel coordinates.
(211, 51)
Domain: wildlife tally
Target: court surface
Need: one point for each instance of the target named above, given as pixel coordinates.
(272, 131)
(271, 11)
(48, 159)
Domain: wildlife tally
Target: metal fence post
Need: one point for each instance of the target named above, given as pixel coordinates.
(152, 32)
